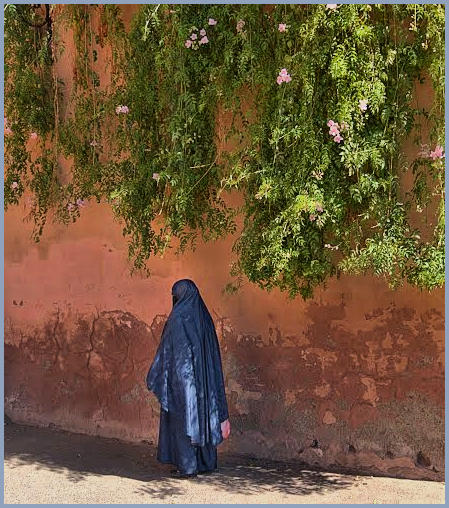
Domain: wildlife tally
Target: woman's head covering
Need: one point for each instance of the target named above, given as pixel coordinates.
(186, 374)
(187, 302)
(184, 289)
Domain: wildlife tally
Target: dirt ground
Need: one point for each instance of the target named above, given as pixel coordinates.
(44, 465)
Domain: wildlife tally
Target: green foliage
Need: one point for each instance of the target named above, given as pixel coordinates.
(313, 207)
(169, 136)
(29, 107)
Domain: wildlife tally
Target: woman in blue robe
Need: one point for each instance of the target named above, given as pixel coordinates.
(187, 378)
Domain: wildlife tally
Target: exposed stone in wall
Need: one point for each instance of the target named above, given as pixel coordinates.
(370, 399)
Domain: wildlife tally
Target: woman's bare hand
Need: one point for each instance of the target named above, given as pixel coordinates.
(225, 429)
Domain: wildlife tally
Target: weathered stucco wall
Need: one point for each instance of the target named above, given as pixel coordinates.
(354, 377)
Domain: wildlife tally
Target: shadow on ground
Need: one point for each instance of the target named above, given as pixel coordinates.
(80, 456)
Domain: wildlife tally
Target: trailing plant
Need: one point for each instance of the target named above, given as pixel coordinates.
(168, 131)
(319, 100)
(29, 109)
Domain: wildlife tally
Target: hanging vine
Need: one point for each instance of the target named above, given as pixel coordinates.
(29, 110)
(317, 152)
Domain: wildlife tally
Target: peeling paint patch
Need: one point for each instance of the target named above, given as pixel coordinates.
(329, 418)
(371, 393)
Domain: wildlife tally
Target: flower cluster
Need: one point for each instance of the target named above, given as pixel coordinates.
(282, 27)
(432, 154)
(240, 25)
(437, 153)
(334, 130)
(8, 130)
(332, 7)
(283, 76)
(14, 185)
(193, 41)
(79, 202)
(121, 109)
(363, 104)
(318, 208)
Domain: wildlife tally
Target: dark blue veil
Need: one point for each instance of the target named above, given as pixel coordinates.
(186, 374)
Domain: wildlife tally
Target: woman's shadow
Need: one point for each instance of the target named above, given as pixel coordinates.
(79, 456)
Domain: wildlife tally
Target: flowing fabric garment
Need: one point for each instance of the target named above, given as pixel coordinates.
(187, 378)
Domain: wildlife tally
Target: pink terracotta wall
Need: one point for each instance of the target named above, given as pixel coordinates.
(354, 377)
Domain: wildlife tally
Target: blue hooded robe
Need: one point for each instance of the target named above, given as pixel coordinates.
(187, 378)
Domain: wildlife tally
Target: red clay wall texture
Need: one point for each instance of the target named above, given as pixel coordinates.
(354, 377)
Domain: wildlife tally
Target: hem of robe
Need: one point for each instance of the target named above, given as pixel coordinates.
(176, 448)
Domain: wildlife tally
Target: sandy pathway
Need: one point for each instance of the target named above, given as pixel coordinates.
(50, 466)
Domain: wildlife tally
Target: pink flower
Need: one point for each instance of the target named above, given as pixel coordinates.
(332, 7)
(330, 123)
(282, 27)
(204, 40)
(283, 76)
(188, 43)
(319, 208)
(14, 185)
(202, 32)
(121, 109)
(194, 36)
(80, 202)
(312, 217)
(156, 176)
(240, 25)
(333, 131)
(338, 138)
(437, 153)
(93, 143)
(363, 104)
(33, 135)
(70, 207)
(212, 21)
